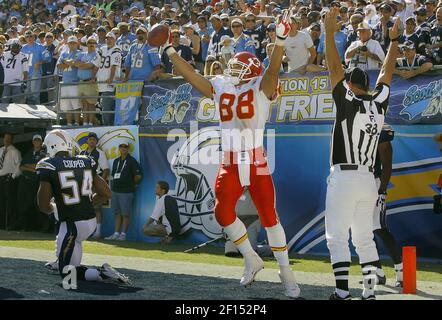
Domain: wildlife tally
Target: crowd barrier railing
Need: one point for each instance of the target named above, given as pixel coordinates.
(49, 84)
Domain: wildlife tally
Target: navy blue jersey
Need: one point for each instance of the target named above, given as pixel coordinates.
(258, 36)
(423, 32)
(436, 37)
(71, 179)
(387, 135)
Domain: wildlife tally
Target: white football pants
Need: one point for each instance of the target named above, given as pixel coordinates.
(69, 240)
(351, 198)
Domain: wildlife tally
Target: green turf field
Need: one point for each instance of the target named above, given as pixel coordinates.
(427, 271)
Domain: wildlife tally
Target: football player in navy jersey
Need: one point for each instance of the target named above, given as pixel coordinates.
(73, 182)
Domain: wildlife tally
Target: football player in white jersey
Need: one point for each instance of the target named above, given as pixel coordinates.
(16, 67)
(243, 96)
(109, 71)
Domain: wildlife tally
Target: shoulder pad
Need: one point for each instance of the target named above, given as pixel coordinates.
(45, 164)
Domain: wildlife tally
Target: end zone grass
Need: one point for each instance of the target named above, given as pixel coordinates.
(427, 271)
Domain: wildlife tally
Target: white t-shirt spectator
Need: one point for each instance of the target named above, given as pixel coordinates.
(296, 49)
(159, 214)
(366, 63)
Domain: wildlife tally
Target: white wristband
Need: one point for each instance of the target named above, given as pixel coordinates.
(169, 51)
(280, 42)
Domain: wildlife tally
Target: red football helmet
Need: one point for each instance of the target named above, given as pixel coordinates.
(244, 66)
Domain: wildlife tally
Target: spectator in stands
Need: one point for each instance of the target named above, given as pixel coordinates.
(410, 32)
(184, 51)
(142, 59)
(87, 64)
(194, 41)
(340, 40)
(36, 59)
(108, 73)
(343, 13)
(352, 34)
(164, 222)
(215, 38)
(423, 29)
(371, 17)
(69, 88)
(10, 159)
(216, 68)
(207, 67)
(431, 6)
(257, 32)
(315, 32)
(380, 31)
(124, 41)
(241, 41)
(299, 48)
(365, 53)
(404, 10)
(48, 68)
(125, 175)
(412, 64)
(15, 66)
(102, 169)
(204, 31)
(28, 214)
(434, 48)
(101, 34)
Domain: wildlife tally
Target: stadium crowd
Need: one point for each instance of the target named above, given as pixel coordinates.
(85, 42)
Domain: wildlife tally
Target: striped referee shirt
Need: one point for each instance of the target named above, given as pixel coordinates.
(359, 121)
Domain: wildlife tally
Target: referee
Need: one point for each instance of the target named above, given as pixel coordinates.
(102, 169)
(351, 189)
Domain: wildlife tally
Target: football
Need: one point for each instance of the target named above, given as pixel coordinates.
(158, 35)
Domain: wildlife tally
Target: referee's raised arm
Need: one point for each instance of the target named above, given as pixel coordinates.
(389, 64)
(331, 52)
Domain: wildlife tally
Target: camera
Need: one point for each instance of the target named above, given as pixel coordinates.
(363, 49)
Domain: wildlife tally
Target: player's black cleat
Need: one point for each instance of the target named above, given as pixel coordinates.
(398, 284)
(381, 280)
(370, 297)
(335, 296)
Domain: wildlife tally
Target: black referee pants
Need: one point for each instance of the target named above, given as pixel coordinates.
(8, 201)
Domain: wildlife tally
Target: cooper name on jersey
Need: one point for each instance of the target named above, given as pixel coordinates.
(73, 164)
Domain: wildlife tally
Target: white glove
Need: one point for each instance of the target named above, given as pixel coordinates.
(282, 30)
(167, 47)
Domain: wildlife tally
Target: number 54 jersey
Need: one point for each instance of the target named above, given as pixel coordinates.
(243, 112)
(71, 179)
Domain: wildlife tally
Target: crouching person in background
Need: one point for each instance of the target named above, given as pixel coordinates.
(125, 175)
(165, 219)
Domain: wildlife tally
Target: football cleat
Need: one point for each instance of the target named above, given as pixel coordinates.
(114, 236)
(335, 296)
(122, 237)
(53, 266)
(370, 297)
(109, 273)
(253, 264)
(291, 288)
(399, 284)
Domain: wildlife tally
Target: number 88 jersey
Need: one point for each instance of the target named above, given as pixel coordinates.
(243, 112)
(71, 179)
